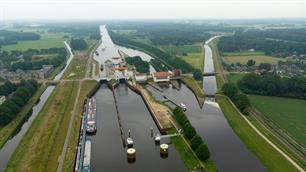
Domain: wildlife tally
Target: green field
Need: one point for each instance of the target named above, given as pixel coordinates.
(234, 78)
(287, 113)
(195, 54)
(243, 59)
(244, 53)
(47, 40)
(271, 158)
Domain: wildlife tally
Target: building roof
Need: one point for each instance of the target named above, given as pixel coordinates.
(160, 74)
(121, 68)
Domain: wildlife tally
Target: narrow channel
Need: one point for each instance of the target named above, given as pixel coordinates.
(10, 146)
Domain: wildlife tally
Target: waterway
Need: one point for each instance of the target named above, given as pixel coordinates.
(108, 153)
(228, 152)
(10, 146)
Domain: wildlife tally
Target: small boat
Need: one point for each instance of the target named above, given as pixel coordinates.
(183, 106)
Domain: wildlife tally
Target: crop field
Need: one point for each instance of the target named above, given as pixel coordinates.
(244, 53)
(243, 59)
(287, 113)
(47, 40)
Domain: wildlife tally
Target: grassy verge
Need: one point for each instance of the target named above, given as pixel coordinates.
(272, 159)
(220, 78)
(7, 131)
(196, 89)
(87, 86)
(42, 144)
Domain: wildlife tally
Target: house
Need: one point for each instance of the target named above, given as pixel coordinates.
(141, 78)
(2, 99)
(161, 76)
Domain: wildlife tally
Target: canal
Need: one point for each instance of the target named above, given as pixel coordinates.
(108, 153)
(10, 146)
(228, 152)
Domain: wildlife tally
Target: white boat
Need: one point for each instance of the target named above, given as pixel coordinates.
(87, 156)
(183, 106)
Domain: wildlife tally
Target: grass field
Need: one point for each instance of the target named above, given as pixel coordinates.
(195, 54)
(7, 131)
(47, 40)
(243, 59)
(273, 161)
(244, 53)
(289, 114)
(42, 144)
(234, 78)
(86, 87)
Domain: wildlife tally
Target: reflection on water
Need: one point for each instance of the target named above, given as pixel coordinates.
(108, 153)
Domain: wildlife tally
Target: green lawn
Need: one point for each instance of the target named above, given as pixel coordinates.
(272, 159)
(244, 58)
(243, 53)
(47, 40)
(289, 114)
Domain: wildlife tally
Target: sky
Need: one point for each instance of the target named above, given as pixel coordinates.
(150, 9)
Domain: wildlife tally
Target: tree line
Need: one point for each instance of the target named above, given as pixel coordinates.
(78, 44)
(10, 37)
(158, 65)
(170, 60)
(243, 41)
(140, 65)
(273, 85)
(197, 144)
(13, 105)
(240, 100)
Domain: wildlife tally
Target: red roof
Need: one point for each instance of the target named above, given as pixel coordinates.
(160, 74)
(115, 58)
(121, 68)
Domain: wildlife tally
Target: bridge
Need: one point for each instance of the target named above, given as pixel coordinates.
(209, 73)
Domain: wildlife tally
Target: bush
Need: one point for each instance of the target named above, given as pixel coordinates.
(196, 141)
(189, 131)
(202, 152)
(197, 74)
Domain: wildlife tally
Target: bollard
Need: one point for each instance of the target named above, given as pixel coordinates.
(164, 150)
(131, 155)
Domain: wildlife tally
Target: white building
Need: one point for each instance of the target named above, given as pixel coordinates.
(161, 76)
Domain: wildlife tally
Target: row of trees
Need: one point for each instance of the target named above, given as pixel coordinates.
(12, 106)
(10, 37)
(239, 99)
(140, 65)
(171, 60)
(78, 44)
(243, 41)
(197, 144)
(273, 85)
(7, 88)
(158, 65)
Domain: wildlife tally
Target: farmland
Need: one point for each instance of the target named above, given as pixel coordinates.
(233, 59)
(289, 114)
(47, 40)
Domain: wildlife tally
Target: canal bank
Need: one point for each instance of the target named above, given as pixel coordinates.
(107, 146)
(8, 149)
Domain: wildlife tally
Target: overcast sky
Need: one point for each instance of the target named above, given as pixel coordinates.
(150, 9)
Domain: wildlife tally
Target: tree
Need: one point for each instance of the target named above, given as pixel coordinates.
(229, 89)
(265, 66)
(189, 131)
(241, 101)
(251, 62)
(197, 74)
(202, 152)
(196, 141)
(78, 44)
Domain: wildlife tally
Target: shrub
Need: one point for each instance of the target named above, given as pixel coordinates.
(189, 131)
(202, 152)
(196, 141)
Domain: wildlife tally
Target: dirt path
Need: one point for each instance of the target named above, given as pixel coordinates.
(62, 156)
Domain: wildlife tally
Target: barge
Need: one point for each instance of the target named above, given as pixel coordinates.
(91, 127)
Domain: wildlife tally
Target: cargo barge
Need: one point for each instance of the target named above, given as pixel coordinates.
(91, 127)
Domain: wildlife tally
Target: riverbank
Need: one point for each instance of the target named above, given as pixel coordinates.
(8, 131)
(195, 88)
(260, 147)
(41, 146)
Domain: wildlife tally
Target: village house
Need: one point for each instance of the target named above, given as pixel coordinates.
(161, 76)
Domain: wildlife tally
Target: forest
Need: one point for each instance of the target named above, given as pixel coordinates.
(273, 85)
(140, 65)
(78, 44)
(277, 44)
(10, 37)
(21, 93)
